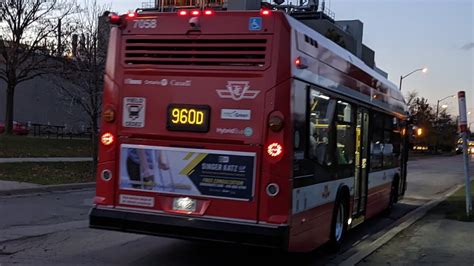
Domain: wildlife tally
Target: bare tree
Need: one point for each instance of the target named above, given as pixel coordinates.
(81, 80)
(410, 97)
(28, 31)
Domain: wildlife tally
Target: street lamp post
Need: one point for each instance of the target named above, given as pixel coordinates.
(437, 105)
(424, 70)
(437, 120)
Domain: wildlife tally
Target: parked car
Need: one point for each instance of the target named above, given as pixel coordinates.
(18, 128)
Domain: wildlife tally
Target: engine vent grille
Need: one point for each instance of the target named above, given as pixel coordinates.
(248, 53)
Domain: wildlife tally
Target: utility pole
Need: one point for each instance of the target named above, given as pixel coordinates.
(464, 131)
(60, 47)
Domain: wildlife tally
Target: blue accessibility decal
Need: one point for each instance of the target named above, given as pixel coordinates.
(255, 24)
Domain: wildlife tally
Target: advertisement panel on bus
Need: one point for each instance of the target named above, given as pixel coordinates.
(190, 172)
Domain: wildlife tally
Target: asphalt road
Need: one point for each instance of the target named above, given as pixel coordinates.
(47, 229)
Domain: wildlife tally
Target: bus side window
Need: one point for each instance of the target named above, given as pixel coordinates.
(321, 112)
(397, 142)
(387, 150)
(345, 139)
(300, 129)
(377, 143)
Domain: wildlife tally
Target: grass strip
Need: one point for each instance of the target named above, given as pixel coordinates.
(48, 173)
(454, 207)
(22, 146)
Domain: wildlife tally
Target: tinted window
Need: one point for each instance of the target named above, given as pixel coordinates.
(321, 112)
(376, 145)
(345, 139)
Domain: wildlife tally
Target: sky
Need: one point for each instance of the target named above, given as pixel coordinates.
(407, 35)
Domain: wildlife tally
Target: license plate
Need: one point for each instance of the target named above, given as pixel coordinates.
(184, 204)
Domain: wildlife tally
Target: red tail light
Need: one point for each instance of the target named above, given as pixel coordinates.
(275, 149)
(195, 12)
(183, 13)
(107, 139)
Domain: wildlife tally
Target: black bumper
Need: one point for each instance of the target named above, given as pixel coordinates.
(189, 228)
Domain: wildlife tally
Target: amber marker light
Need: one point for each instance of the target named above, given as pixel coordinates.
(109, 116)
(275, 123)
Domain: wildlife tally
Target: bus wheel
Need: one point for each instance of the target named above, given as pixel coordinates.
(338, 225)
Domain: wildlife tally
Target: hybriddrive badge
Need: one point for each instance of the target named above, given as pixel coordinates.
(134, 112)
(236, 114)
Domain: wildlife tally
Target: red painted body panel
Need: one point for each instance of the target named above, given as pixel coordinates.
(311, 228)
(378, 199)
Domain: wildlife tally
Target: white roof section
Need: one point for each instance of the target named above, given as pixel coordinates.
(346, 55)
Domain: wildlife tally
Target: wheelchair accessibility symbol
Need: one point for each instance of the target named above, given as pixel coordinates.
(255, 24)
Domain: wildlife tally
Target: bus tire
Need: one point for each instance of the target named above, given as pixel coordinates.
(339, 221)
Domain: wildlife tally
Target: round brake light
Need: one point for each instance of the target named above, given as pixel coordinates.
(107, 138)
(275, 149)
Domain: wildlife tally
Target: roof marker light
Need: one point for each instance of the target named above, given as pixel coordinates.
(195, 12)
(183, 13)
(265, 12)
(301, 63)
(131, 14)
(114, 19)
(208, 12)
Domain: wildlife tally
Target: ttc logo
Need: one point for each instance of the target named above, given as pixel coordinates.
(238, 90)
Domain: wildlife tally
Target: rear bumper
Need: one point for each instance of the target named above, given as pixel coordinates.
(189, 228)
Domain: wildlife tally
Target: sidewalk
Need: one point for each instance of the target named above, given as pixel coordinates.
(433, 240)
(45, 160)
(8, 188)
(13, 185)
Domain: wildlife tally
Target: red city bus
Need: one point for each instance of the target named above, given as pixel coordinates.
(245, 127)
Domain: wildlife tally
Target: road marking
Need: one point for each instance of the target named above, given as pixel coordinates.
(367, 247)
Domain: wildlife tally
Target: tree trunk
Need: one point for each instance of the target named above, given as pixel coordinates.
(9, 111)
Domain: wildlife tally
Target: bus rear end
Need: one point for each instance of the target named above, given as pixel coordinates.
(192, 134)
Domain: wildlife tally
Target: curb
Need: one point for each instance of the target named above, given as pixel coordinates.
(46, 189)
(367, 247)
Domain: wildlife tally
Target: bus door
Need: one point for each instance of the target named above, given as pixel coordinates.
(361, 166)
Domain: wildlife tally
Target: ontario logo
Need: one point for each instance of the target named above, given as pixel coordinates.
(238, 90)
